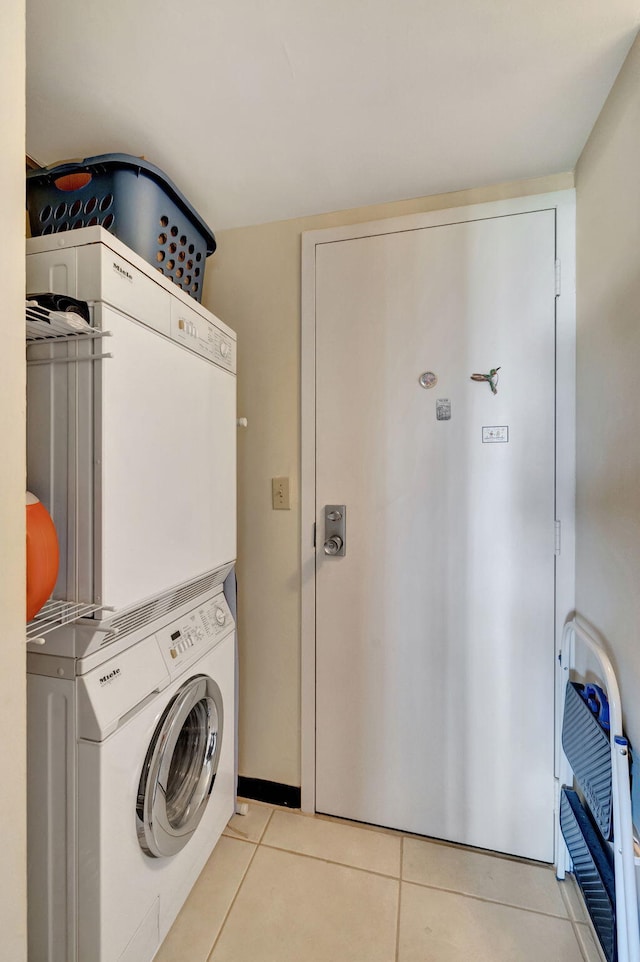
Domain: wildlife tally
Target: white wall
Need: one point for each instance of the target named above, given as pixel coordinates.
(12, 488)
(253, 283)
(608, 372)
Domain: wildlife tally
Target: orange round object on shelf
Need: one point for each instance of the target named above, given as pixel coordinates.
(42, 555)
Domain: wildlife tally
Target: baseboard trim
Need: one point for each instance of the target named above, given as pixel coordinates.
(273, 793)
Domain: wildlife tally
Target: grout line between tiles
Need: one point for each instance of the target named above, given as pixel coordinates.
(233, 900)
(439, 888)
(232, 832)
(481, 898)
(567, 885)
(568, 917)
(329, 861)
(580, 942)
(238, 835)
(565, 899)
(266, 826)
(399, 900)
(575, 924)
(412, 836)
(599, 955)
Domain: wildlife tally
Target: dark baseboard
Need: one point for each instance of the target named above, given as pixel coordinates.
(274, 793)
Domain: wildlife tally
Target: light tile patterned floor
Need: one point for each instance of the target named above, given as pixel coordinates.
(286, 887)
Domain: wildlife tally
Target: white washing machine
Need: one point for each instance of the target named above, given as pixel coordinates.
(131, 782)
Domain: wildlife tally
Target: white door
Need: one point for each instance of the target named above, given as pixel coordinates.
(435, 631)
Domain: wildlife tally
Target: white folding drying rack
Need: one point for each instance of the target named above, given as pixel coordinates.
(625, 862)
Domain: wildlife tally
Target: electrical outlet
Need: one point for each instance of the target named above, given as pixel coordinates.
(280, 494)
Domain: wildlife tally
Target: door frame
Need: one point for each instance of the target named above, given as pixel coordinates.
(563, 203)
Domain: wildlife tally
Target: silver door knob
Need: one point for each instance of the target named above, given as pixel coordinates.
(333, 545)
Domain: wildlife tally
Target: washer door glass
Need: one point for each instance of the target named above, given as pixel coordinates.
(180, 768)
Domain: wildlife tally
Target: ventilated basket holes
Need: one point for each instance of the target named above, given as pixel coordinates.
(78, 223)
(191, 248)
(60, 211)
(195, 288)
(48, 229)
(160, 256)
(172, 248)
(75, 208)
(45, 213)
(174, 231)
(107, 223)
(183, 240)
(62, 227)
(187, 280)
(170, 265)
(197, 272)
(179, 272)
(91, 205)
(93, 222)
(189, 265)
(198, 257)
(106, 202)
(181, 256)
(162, 239)
(164, 221)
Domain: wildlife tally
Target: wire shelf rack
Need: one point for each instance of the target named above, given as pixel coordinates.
(43, 324)
(57, 613)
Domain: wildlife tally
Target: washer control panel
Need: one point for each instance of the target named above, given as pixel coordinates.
(188, 636)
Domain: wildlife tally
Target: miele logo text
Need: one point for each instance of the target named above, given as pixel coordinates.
(122, 272)
(109, 678)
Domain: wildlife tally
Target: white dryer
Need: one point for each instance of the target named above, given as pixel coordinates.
(131, 436)
(131, 782)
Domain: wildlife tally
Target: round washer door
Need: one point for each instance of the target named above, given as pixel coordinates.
(180, 768)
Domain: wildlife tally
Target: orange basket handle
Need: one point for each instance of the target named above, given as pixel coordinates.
(69, 182)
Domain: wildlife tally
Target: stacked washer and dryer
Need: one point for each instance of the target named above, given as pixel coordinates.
(131, 753)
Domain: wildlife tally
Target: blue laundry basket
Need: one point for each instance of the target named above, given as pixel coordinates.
(132, 199)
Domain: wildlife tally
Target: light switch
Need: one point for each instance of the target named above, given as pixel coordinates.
(280, 494)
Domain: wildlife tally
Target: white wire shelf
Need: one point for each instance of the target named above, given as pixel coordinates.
(45, 325)
(56, 613)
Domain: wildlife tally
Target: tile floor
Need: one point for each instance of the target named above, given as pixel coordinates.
(286, 887)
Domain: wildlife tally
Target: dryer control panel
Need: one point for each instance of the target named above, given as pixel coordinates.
(200, 335)
(185, 639)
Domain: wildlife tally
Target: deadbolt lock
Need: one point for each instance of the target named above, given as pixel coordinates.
(335, 529)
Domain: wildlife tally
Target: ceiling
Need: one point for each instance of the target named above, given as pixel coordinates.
(261, 110)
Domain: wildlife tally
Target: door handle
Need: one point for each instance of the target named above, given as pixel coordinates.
(333, 545)
(335, 529)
